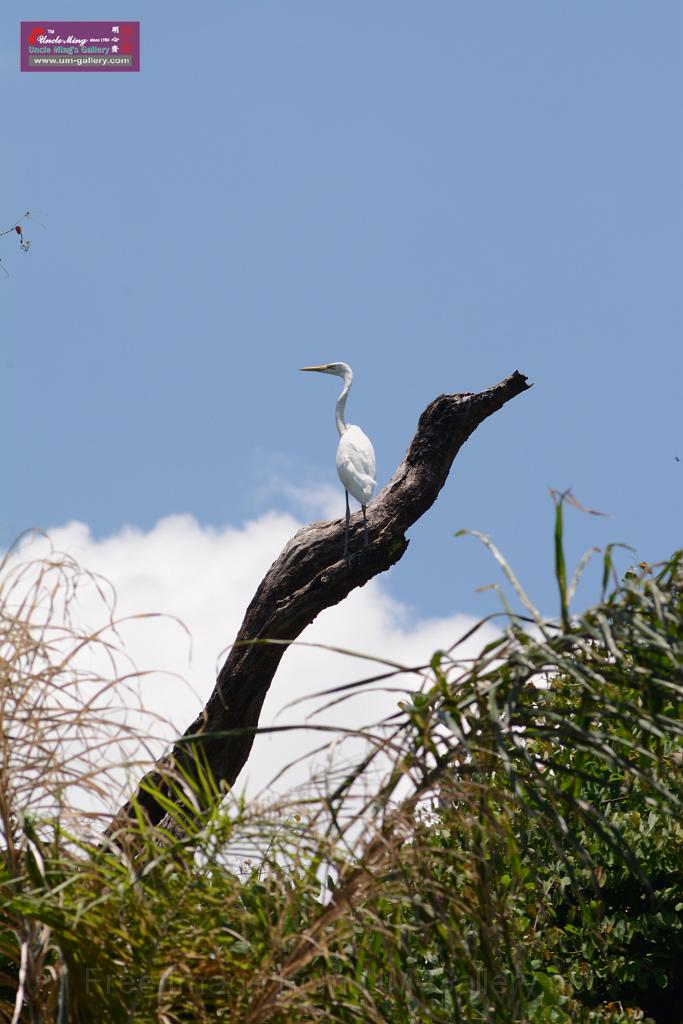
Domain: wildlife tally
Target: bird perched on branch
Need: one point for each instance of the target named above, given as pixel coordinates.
(355, 454)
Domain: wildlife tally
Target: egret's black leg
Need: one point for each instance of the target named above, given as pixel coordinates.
(346, 533)
(365, 526)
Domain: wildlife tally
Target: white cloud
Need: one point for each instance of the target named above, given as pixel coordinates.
(205, 577)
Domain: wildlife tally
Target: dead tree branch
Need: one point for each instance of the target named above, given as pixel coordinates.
(309, 576)
(16, 229)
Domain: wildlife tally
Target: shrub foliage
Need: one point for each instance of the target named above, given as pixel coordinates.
(508, 848)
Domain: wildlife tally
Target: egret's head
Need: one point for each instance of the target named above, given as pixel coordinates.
(337, 369)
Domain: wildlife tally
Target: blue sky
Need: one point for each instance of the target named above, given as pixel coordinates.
(436, 193)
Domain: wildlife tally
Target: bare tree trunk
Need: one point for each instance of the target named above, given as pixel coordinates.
(309, 575)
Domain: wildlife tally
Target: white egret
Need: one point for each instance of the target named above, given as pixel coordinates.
(355, 454)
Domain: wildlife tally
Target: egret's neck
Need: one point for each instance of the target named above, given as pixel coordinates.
(341, 402)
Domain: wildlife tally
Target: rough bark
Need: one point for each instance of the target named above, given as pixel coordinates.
(309, 575)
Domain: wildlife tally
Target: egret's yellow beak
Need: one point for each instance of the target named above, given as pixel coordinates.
(319, 368)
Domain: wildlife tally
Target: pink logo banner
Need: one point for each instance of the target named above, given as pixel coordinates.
(80, 45)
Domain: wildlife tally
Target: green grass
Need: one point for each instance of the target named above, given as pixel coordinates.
(509, 849)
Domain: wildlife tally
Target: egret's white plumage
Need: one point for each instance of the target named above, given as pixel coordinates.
(355, 454)
(356, 464)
